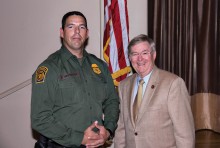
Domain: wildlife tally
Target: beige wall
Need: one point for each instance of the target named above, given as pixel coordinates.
(29, 32)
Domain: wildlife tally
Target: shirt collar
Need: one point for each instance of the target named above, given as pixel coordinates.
(66, 54)
(146, 78)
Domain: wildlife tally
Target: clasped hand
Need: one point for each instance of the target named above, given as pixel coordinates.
(94, 139)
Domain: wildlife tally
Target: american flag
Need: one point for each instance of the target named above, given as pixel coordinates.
(116, 38)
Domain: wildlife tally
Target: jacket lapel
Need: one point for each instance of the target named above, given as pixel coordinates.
(149, 91)
(130, 96)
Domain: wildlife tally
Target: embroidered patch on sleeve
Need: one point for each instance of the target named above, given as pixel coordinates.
(96, 69)
(41, 74)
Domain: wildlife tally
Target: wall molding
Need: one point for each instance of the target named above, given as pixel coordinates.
(15, 88)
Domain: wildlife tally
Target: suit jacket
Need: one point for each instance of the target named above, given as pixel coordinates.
(164, 120)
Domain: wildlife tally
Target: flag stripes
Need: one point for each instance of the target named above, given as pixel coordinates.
(116, 38)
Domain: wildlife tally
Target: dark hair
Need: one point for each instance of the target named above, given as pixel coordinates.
(141, 38)
(70, 14)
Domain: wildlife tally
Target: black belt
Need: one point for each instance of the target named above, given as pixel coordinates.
(44, 142)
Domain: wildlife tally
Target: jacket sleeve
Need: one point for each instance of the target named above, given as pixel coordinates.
(181, 115)
(119, 140)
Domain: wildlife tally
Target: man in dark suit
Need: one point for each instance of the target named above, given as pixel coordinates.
(163, 118)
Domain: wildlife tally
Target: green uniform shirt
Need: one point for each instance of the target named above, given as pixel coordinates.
(67, 97)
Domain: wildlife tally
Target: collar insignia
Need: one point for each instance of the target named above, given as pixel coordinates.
(96, 69)
(41, 74)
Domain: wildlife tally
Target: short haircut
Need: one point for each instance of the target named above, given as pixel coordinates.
(141, 38)
(70, 14)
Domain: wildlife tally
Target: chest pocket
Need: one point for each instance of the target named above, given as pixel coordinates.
(98, 83)
(70, 90)
(98, 86)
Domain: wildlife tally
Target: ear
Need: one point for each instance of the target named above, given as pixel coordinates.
(61, 33)
(154, 55)
(129, 57)
(87, 34)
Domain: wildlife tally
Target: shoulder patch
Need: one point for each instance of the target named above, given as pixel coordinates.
(41, 74)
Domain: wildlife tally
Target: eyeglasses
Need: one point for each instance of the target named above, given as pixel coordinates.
(143, 54)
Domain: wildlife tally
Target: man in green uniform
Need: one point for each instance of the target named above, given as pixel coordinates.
(74, 102)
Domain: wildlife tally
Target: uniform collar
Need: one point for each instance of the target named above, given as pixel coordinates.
(66, 54)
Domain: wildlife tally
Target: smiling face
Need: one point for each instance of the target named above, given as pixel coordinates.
(142, 58)
(74, 34)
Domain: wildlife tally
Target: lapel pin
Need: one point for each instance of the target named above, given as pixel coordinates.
(152, 86)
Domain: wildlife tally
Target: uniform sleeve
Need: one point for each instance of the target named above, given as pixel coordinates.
(181, 114)
(44, 86)
(111, 105)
